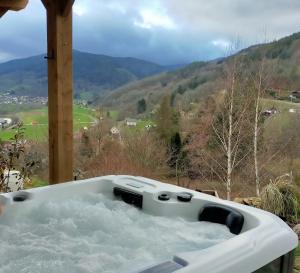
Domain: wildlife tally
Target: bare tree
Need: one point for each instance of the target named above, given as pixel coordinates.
(260, 77)
(231, 126)
(101, 128)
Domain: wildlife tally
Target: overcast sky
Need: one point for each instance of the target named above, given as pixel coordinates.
(162, 31)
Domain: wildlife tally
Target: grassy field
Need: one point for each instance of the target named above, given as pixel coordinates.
(280, 127)
(14, 108)
(36, 122)
(282, 106)
(114, 115)
(280, 121)
(140, 126)
(143, 123)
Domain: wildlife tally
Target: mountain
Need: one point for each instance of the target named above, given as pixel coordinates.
(200, 79)
(93, 74)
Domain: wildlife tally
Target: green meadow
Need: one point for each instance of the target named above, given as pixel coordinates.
(36, 122)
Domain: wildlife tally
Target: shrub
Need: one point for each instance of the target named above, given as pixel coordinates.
(13, 157)
(281, 197)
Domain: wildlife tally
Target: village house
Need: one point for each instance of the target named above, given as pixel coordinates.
(5, 122)
(296, 94)
(292, 97)
(114, 131)
(131, 122)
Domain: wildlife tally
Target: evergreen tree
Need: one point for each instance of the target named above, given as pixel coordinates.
(175, 149)
(167, 120)
(86, 148)
(141, 106)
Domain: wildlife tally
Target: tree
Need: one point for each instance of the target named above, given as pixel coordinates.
(86, 147)
(199, 133)
(141, 106)
(178, 156)
(230, 139)
(259, 87)
(167, 120)
(175, 147)
(101, 128)
(173, 99)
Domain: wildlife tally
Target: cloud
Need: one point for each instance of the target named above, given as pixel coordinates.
(5, 56)
(79, 10)
(246, 19)
(222, 44)
(23, 33)
(163, 31)
(151, 18)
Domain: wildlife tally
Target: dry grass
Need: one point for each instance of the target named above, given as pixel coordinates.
(281, 197)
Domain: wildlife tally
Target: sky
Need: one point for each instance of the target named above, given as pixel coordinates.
(162, 31)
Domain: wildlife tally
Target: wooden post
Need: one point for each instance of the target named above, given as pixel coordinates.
(60, 90)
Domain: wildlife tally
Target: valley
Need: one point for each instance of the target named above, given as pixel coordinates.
(163, 123)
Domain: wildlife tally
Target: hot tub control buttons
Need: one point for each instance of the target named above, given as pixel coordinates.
(163, 197)
(184, 197)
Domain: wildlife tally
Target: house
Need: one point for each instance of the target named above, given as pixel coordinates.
(5, 122)
(114, 131)
(296, 94)
(131, 122)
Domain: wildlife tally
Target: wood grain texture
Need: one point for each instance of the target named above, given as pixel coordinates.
(13, 4)
(60, 94)
(66, 7)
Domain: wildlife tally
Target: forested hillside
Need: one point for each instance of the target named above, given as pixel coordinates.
(200, 79)
(93, 74)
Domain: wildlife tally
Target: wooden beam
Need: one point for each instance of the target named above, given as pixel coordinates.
(13, 4)
(66, 7)
(60, 94)
(2, 11)
(46, 3)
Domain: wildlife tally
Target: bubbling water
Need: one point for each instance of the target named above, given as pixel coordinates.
(95, 234)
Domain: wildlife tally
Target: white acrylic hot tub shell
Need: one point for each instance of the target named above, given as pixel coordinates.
(264, 237)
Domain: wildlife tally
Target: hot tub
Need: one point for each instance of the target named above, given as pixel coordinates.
(126, 224)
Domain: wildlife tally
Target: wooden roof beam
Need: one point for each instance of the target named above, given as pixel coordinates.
(46, 3)
(64, 6)
(13, 5)
(2, 11)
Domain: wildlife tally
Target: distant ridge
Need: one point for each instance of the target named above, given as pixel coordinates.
(201, 79)
(94, 74)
